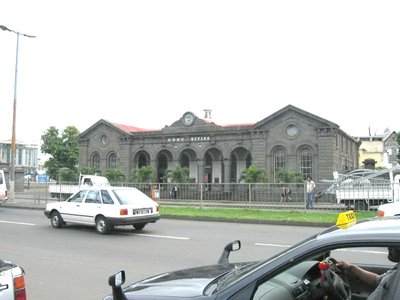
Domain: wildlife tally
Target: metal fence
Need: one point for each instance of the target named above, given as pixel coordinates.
(261, 196)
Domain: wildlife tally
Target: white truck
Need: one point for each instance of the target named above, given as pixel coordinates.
(3, 187)
(362, 189)
(63, 191)
(12, 281)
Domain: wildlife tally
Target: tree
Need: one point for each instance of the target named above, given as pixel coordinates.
(289, 177)
(66, 174)
(398, 152)
(114, 175)
(254, 175)
(178, 175)
(144, 174)
(90, 171)
(63, 149)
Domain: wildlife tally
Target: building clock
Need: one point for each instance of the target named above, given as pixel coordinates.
(188, 119)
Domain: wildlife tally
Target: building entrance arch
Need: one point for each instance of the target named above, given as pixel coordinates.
(163, 158)
(240, 160)
(142, 159)
(188, 159)
(213, 166)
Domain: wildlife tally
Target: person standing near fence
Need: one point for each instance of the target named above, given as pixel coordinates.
(310, 192)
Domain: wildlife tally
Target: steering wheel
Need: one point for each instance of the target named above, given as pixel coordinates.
(339, 285)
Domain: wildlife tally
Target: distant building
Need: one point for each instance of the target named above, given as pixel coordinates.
(290, 139)
(26, 155)
(379, 150)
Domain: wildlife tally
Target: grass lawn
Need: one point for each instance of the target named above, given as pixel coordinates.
(258, 214)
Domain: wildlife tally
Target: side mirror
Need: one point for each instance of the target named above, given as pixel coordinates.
(116, 281)
(233, 246)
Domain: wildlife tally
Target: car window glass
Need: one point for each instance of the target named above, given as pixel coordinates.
(371, 256)
(93, 197)
(87, 181)
(307, 275)
(106, 197)
(78, 197)
(129, 196)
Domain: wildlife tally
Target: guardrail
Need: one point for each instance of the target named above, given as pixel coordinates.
(258, 195)
(265, 196)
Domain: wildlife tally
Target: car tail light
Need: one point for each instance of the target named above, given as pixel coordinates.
(381, 213)
(123, 212)
(158, 208)
(19, 288)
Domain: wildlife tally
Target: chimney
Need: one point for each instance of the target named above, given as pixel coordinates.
(207, 113)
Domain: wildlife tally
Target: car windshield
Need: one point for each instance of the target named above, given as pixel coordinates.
(129, 196)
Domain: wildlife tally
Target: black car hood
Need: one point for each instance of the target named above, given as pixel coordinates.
(183, 283)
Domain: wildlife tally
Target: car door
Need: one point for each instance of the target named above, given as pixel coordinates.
(71, 208)
(91, 207)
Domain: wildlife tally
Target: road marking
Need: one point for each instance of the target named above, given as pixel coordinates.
(17, 223)
(343, 250)
(164, 236)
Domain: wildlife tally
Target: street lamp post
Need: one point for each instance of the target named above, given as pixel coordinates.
(12, 163)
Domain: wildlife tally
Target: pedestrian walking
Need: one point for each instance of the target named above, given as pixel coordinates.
(310, 192)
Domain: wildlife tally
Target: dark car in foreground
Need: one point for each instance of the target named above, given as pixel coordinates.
(307, 270)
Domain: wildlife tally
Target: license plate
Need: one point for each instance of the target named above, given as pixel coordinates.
(141, 211)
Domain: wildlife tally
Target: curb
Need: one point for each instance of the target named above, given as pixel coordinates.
(206, 219)
(248, 221)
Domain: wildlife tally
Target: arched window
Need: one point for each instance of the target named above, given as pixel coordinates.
(279, 160)
(95, 161)
(306, 162)
(142, 161)
(112, 161)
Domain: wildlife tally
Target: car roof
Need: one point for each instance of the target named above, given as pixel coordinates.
(368, 230)
(109, 188)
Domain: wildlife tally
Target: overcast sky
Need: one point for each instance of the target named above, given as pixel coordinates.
(145, 63)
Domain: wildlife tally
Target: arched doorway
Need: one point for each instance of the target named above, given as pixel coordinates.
(163, 159)
(213, 167)
(141, 159)
(240, 160)
(188, 159)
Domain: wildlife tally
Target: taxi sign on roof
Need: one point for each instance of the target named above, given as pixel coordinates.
(346, 219)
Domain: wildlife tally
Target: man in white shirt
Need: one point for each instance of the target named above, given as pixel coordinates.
(310, 192)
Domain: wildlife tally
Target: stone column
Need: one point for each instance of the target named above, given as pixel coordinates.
(200, 169)
(227, 166)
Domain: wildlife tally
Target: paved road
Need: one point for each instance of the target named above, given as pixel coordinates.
(75, 262)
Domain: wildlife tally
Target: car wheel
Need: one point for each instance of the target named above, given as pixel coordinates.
(139, 226)
(56, 219)
(102, 226)
(360, 205)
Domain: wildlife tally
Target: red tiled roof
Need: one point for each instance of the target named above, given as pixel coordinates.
(129, 128)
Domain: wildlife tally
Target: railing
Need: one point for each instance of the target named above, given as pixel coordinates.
(267, 196)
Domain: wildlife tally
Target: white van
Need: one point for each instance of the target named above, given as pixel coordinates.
(3, 187)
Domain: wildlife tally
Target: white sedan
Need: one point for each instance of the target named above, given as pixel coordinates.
(389, 209)
(104, 208)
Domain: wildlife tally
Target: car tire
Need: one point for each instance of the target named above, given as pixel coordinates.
(102, 225)
(361, 205)
(56, 220)
(139, 227)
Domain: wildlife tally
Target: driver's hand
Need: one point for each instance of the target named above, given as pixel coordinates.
(343, 264)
